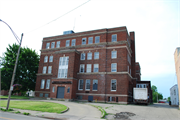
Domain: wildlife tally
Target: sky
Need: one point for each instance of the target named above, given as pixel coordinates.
(155, 23)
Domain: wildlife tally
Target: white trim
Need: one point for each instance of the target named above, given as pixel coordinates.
(111, 85)
(83, 68)
(89, 85)
(79, 84)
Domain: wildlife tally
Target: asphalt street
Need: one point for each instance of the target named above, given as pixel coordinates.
(12, 116)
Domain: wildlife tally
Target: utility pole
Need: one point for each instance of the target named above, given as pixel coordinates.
(157, 97)
(14, 73)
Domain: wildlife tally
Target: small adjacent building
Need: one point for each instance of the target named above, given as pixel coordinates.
(177, 66)
(174, 95)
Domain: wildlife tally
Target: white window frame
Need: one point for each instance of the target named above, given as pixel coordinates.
(113, 68)
(47, 45)
(58, 44)
(52, 44)
(83, 68)
(84, 56)
(97, 40)
(67, 43)
(93, 84)
(47, 83)
(111, 84)
(42, 83)
(46, 59)
(89, 56)
(88, 68)
(112, 38)
(44, 69)
(73, 43)
(83, 43)
(63, 67)
(89, 84)
(79, 84)
(53, 89)
(51, 58)
(94, 70)
(49, 69)
(90, 40)
(96, 55)
(113, 54)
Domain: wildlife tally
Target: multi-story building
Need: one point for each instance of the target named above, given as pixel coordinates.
(174, 95)
(177, 66)
(93, 65)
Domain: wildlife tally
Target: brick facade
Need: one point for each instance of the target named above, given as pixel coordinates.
(115, 81)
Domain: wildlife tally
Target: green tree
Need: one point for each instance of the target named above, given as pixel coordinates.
(27, 68)
(155, 94)
(169, 99)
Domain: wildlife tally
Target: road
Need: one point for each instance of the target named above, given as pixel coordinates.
(12, 116)
(157, 111)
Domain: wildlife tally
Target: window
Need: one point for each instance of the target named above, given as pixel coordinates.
(47, 45)
(48, 84)
(52, 44)
(42, 83)
(90, 40)
(45, 59)
(44, 70)
(113, 85)
(81, 68)
(67, 43)
(95, 84)
(130, 71)
(113, 54)
(68, 90)
(97, 39)
(88, 69)
(83, 41)
(114, 38)
(49, 69)
(51, 59)
(80, 85)
(129, 43)
(96, 67)
(83, 56)
(46, 95)
(113, 67)
(88, 82)
(128, 68)
(96, 55)
(129, 58)
(58, 44)
(73, 43)
(89, 56)
(63, 67)
(40, 94)
(53, 89)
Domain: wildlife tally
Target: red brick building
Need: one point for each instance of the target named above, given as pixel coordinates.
(93, 65)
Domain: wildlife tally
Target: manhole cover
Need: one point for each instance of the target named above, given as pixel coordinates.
(123, 115)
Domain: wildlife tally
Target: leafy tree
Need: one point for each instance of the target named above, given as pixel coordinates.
(155, 94)
(169, 99)
(27, 67)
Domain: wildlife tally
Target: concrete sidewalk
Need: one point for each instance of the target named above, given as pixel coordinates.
(76, 111)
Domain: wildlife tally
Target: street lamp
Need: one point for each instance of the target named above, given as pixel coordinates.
(14, 72)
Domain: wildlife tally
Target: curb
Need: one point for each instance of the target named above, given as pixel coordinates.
(65, 110)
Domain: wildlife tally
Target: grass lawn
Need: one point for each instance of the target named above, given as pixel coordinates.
(36, 106)
(14, 97)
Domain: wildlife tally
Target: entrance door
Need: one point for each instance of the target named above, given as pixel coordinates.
(60, 92)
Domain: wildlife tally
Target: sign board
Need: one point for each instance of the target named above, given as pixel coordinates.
(12, 87)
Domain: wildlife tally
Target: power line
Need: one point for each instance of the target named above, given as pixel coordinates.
(59, 17)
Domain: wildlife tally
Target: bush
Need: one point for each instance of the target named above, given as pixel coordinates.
(26, 113)
(17, 112)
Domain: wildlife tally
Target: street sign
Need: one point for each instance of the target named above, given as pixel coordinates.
(12, 87)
